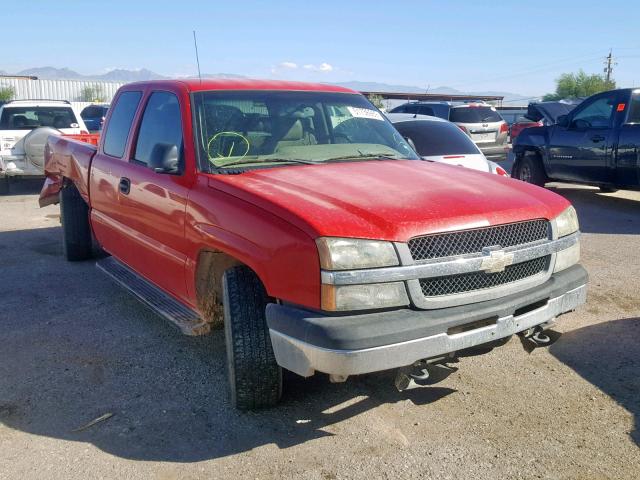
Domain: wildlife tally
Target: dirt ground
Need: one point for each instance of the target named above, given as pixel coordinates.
(74, 347)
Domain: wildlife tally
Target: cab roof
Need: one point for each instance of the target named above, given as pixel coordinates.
(196, 85)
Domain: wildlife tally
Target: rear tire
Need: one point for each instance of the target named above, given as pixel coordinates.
(76, 233)
(529, 169)
(608, 190)
(255, 378)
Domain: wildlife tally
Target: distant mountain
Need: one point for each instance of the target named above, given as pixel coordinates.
(122, 75)
(509, 97)
(380, 87)
(52, 73)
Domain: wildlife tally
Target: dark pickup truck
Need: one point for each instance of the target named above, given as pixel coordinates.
(595, 144)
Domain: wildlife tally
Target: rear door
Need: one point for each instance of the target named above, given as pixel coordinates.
(581, 151)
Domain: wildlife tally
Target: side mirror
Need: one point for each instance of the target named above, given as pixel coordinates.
(165, 158)
(563, 121)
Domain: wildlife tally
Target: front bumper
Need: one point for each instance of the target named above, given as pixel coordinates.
(305, 341)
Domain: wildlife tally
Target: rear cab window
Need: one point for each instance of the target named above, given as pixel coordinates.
(474, 115)
(119, 126)
(634, 108)
(433, 138)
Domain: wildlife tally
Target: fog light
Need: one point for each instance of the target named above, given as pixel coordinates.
(363, 297)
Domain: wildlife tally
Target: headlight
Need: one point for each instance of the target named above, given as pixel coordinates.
(567, 257)
(363, 297)
(567, 222)
(353, 253)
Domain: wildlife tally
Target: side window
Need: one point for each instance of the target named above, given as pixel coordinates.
(597, 114)
(413, 108)
(117, 133)
(161, 123)
(634, 109)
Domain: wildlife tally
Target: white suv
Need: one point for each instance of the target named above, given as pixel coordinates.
(25, 126)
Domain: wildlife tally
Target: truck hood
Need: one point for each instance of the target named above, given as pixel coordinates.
(389, 200)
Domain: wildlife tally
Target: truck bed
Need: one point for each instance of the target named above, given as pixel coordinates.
(66, 157)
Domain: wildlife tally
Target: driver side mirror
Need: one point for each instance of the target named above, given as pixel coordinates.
(563, 121)
(165, 158)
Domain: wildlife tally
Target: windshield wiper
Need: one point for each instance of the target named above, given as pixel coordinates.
(267, 161)
(365, 156)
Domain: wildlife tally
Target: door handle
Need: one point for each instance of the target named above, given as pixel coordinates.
(597, 138)
(125, 185)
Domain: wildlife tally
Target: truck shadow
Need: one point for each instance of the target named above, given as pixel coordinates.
(25, 186)
(78, 347)
(602, 213)
(608, 356)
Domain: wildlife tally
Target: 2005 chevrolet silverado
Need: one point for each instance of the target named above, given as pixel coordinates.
(300, 213)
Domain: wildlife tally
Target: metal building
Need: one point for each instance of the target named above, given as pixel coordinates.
(31, 88)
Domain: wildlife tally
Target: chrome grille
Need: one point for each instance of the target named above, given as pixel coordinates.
(473, 241)
(468, 282)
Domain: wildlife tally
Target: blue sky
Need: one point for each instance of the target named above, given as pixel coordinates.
(469, 45)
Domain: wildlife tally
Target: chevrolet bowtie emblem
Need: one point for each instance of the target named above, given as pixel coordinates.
(495, 261)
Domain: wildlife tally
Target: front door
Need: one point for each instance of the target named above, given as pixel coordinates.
(138, 213)
(581, 150)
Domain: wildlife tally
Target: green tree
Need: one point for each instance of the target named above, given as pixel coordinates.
(91, 94)
(7, 93)
(377, 100)
(572, 85)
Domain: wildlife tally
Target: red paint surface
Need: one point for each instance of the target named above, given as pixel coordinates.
(269, 218)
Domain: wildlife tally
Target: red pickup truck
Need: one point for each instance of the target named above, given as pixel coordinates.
(299, 216)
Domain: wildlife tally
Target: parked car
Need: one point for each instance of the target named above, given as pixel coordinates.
(299, 212)
(94, 115)
(24, 128)
(596, 144)
(511, 115)
(540, 114)
(439, 140)
(480, 121)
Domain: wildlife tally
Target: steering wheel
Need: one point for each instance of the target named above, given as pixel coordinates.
(227, 144)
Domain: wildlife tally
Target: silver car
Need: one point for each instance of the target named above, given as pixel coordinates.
(438, 140)
(480, 121)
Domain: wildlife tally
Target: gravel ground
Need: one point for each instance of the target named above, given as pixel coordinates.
(74, 347)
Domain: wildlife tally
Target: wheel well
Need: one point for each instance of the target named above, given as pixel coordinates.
(529, 152)
(208, 282)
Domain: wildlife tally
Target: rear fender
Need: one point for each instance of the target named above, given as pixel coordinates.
(66, 159)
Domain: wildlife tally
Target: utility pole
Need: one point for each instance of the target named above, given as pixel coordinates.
(609, 63)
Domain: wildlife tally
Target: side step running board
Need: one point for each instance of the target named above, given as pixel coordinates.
(188, 321)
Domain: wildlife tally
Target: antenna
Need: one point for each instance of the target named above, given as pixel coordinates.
(195, 44)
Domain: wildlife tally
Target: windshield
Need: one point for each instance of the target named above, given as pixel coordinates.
(272, 128)
(28, 118)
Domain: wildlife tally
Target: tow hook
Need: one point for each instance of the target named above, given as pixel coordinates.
(538, 336)
(425, 372)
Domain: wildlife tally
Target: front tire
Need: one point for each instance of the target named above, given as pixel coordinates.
(255, 378)
(76, 233)
(529, 170)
